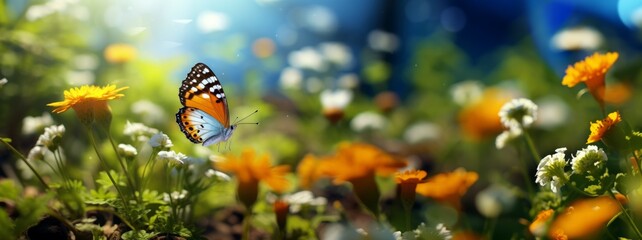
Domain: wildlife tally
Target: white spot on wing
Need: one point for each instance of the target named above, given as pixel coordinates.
(201, 86)
(218, 95)
(193, 89)
(205, 95)
(205, 70)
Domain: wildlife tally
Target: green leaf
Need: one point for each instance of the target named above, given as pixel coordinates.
(137, 234)
(31, 211)
(9, 189)
(6, 226)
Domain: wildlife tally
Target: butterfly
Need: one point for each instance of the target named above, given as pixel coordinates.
(205, 117)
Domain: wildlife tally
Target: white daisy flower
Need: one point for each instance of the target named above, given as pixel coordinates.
(507, 136)
(3, 81)
(577, 38)
(590, 160)
(51, 137)
(127, 150)
(160, 140)
(174, 159)
(518, 113)
(367, 121)
(299, 199)
(211, 173)
(335, 99)
(175, 195)
(36, 153)
(550, 170)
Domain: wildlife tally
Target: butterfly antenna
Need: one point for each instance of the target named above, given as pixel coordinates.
(239, 121)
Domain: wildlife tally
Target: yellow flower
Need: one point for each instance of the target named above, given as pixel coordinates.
(119, 53)
(539, 226)
(448, 187)
(249, 170)
(584, 217)
(591, 71)
(89, 102)
(600, 127)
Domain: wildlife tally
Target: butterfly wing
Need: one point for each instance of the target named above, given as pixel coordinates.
(205, 117)
(202, 90)
(200, 127)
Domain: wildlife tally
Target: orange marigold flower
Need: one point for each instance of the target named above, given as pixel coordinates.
(89, 102)
(448, 187)
(600, 127)
(591, 71)
(358, 163)
(585, 217)
(539, 226)
(249, 170)
(120, 53)
(356, 160)
(479, 119)
(410, 177)
(407, 186)
(308, 171)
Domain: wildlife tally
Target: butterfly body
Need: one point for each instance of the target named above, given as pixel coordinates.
(205, 116)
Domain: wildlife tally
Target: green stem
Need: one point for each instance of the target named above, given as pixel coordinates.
(144, 174)
(122, 164)
(628, 217)
(531, 147)
(104, 165)
(22, 157)
(246, 226)
(527, 177)
(61, 169)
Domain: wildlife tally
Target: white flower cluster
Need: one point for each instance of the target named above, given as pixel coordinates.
(550, 170)
(127, 150)
(51, 137)
(220, 176)
(516, 116)
(589, 160)
(175, 195)
(337, 99)
(518, 113)
(424, 232)
(160, 140)
(173, 159)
